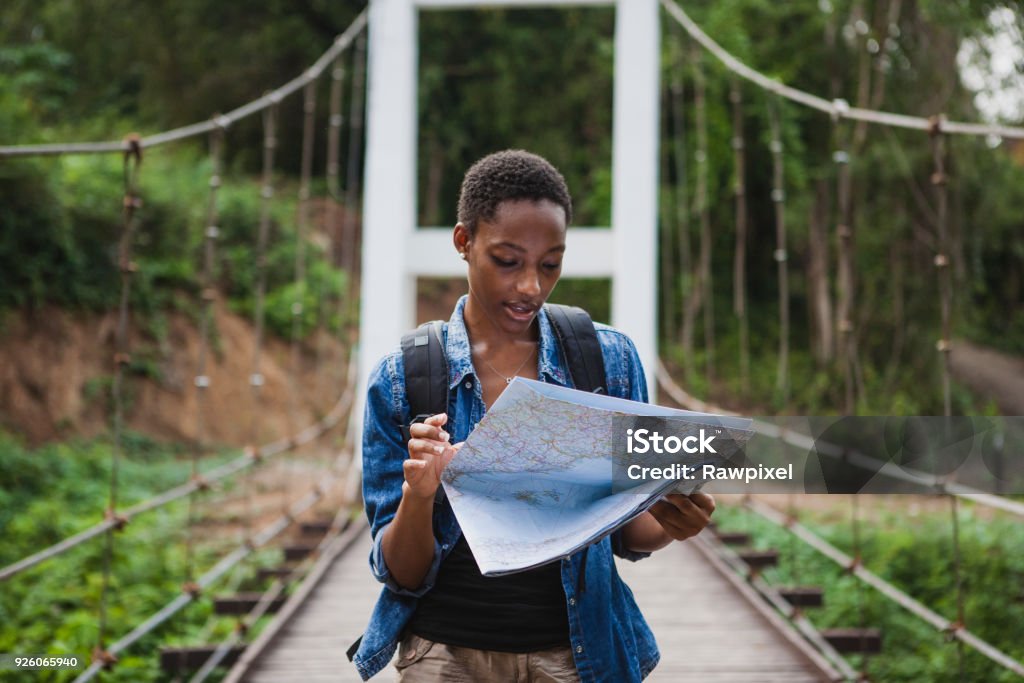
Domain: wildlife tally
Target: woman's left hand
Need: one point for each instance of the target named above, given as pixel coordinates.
(683, 516)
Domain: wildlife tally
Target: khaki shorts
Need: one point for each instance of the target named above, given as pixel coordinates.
(424, 661)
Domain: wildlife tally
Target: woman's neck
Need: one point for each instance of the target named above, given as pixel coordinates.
(485, 332)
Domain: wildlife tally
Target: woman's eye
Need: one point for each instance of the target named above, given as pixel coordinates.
(552, 266)
(503, 263)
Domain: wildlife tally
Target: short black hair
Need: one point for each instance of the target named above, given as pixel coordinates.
(509, 175)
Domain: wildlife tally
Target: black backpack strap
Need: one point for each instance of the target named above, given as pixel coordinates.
(426, 372)
(578, 338)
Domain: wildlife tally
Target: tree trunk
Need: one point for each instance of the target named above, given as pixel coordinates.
(819, 297)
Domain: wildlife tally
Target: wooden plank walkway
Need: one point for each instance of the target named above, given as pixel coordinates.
(311, 647)
(706, 630)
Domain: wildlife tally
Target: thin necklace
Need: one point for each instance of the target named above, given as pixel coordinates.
(508, 380)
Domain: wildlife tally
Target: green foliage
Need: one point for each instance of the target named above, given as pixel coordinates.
(539, 79)
(56, 491)
(907, 541)
(897, 302)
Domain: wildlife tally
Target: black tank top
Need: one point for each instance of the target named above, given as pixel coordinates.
(522, 612)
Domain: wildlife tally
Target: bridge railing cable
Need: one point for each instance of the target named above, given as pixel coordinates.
(226, 563)
(249, 457)
(855, 458)
(341, 43)
(326, 550)
(953, 629)
(836, 108)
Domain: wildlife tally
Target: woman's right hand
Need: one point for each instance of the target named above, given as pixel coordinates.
(429, 453)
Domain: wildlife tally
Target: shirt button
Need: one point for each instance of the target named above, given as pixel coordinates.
(579, 649)
(572, 601)
(469, 384)
(444, 547)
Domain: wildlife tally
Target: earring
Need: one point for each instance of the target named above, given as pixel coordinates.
(463, 255)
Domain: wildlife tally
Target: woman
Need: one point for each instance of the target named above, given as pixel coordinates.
(571, 620)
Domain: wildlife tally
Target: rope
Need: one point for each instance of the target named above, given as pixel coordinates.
(334, 123)
(270, 99)
(350, 229)
(256, 378)
(301, 228)
(677, 92)
(813, 644)
(665, 246)
(247, 459)
(890, 591)
(202, 379)
(739, 270)
(781, 258)
(203, 582)
(844, 278)
(836, 108)
(706, 286)
(265, 535)
(855, 458)
(858, 561)
(939, 181)
(333, 542)
(132, 162)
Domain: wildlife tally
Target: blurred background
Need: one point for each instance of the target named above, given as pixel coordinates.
(490, 79)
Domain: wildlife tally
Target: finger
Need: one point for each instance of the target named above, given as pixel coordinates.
(421, 448)
(413, 470)
(680, 502)
(705, 501)
(422, 430)
(672, 521)
(684, 512)
(437, 420)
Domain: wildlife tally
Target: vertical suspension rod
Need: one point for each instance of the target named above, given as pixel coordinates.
(781, 257)
(706, 286)
(739, 273)
(844, 233)
(131, 202)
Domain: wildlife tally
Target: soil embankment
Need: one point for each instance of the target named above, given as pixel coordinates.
(56, 370)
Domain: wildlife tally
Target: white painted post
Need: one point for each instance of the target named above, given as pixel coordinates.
(389, 213)
(635, 177)
(395, 251)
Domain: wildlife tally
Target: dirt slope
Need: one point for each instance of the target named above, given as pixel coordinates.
(56, 369)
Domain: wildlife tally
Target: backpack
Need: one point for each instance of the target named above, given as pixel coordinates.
(426, 366)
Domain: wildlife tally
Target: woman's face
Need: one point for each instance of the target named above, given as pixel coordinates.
(515, 261)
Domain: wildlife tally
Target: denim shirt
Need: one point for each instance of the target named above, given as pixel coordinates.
(609, 638)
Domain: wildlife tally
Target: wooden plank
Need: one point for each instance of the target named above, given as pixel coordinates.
(705, 629)
(803, 596)
(182, 659)
(854, 640)
(734, 537)
(242, 603)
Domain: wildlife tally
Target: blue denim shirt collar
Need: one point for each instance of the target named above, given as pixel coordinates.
(460, 354)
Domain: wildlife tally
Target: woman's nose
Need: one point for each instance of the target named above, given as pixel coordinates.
(528, 284)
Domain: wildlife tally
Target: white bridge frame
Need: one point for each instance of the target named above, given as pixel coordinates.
(396, 251)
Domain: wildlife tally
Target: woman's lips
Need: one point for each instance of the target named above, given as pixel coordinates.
(521, 312)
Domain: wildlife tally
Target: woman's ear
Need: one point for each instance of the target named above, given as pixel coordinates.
(461, 240)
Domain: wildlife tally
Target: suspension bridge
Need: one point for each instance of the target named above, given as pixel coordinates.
(296, 620)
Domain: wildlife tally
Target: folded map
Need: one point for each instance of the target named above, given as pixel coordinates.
(544, 473)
